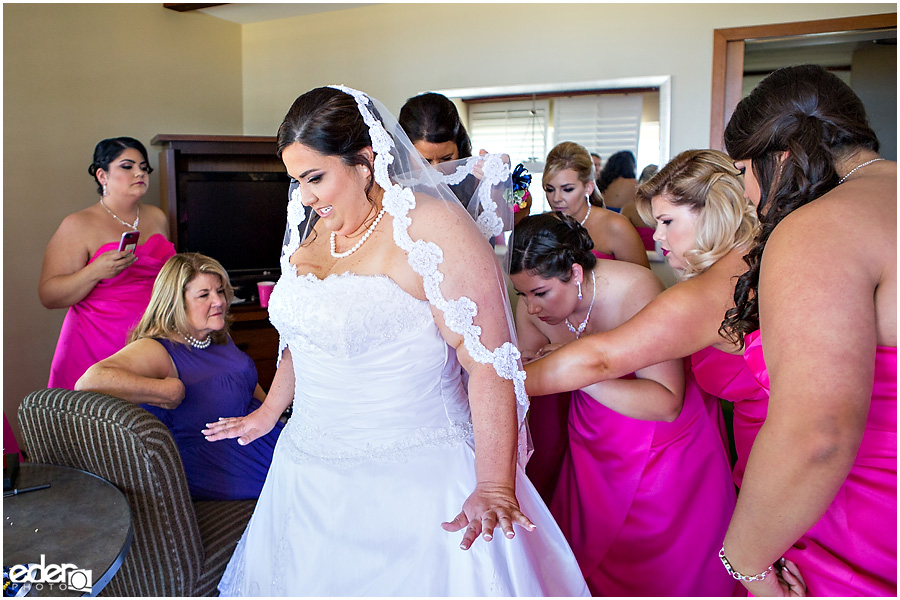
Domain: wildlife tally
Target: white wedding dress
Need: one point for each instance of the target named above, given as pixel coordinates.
(378, 453)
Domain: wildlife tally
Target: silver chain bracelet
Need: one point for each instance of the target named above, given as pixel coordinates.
(741, 576)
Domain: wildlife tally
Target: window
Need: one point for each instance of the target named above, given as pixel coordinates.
(604, 123)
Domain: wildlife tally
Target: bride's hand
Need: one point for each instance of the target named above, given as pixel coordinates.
(246, 429)
(488, 507)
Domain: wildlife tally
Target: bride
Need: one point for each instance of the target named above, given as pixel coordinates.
(383, 296)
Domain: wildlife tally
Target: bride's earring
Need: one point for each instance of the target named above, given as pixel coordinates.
(579, 290)
(104, 190)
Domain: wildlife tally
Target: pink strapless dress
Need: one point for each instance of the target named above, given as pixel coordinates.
(727, 376)
(646, 234)
(645, 505)
(852, 549)
(547, 418)
(98, 326)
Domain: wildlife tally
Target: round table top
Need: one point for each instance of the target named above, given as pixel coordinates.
(80, 520)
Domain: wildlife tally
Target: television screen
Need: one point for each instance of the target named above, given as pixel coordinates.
(238, 218)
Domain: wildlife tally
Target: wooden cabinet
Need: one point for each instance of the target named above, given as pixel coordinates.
(253, 333)
(226, 196)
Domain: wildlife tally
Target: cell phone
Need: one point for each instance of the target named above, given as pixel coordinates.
(129, 241)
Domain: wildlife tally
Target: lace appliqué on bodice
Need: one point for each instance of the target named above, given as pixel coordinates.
(425, 258)
(331, 320)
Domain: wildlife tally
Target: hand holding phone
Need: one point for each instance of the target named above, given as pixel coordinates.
(129, 241)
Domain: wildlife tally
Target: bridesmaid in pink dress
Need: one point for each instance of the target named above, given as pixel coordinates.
(645, 484)
(820, 301)
(106, 291)
(570, 188)
(706, 226)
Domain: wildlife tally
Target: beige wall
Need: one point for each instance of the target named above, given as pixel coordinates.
(393, 52)
(73, 75)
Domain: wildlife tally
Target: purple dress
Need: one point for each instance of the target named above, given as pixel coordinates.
(218, 382)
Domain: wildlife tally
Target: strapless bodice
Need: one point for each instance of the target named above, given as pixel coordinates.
(374, 378)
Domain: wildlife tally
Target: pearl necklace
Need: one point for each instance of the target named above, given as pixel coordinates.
(584, 220)
(361, 240)
(857, 167)
(197, 343)
(584, 323)
(114, 216)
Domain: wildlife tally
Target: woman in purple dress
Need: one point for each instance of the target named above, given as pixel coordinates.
(182, 366)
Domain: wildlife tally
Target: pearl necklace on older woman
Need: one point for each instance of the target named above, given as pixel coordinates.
(361, 240)
(197, 343)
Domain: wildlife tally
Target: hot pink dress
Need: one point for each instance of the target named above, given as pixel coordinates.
(727, 376)
(98, 326)
(646, 234)
(852, 549)
(547, 418)
(645, 505)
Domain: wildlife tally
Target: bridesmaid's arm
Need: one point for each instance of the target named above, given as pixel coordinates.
(67, 276)
(626, 241)
(818, 332)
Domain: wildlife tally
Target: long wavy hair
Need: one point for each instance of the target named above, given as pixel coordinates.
(550, 244)
(708, 184)
(569, 155)
(166, 315)
(817, 120)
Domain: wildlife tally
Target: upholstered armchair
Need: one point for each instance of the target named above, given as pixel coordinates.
(180, 547)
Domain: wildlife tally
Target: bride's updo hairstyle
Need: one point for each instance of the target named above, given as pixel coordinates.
(328, 121)
(549, 244)
(708, 184)
(818, 120)
(569, 155)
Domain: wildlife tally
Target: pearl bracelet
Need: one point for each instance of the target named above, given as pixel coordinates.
(741, 576)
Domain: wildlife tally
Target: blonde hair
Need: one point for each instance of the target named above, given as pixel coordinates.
(569, 155)
(166, 316)
(706, 182)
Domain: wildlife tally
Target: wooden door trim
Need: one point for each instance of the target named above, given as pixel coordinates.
(728, 57)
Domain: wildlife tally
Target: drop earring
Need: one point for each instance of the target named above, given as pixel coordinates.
(579, 290)
(104, 190)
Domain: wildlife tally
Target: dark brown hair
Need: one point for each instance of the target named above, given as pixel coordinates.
(549, 244)
(818, 120)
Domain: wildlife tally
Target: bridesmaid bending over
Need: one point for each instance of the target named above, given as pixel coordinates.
(644, 486)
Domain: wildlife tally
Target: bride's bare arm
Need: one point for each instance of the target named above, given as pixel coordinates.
(471, 271)
(263, 419)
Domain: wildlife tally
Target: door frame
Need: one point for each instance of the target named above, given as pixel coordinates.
(728, 58)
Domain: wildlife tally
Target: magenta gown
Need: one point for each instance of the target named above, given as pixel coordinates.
(852, 549)
(646, 234)
(547, 418)
(644, 504)
(98, 326)
(727, 376)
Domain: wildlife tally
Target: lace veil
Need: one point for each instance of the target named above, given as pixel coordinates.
(481, 184)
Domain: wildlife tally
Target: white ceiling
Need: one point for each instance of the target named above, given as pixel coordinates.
(254, 12)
